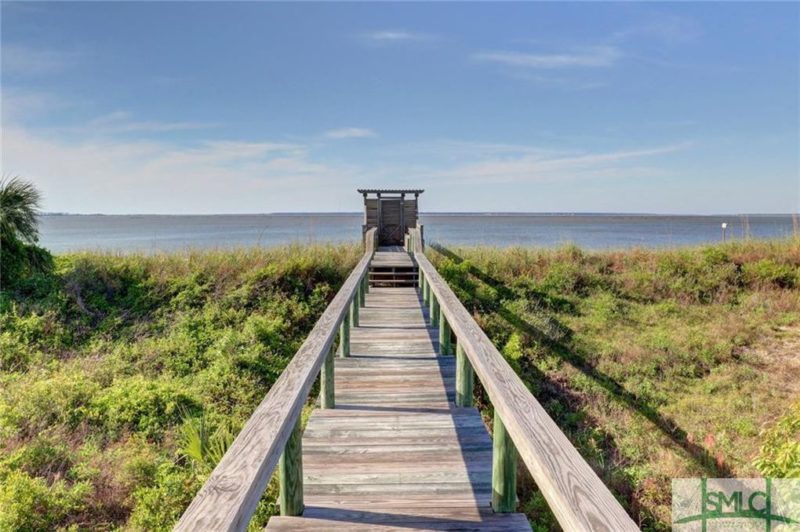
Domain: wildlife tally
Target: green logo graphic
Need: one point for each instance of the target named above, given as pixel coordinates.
(724, 504)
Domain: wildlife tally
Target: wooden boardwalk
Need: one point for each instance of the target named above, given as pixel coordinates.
(388, 449)
(395, 453)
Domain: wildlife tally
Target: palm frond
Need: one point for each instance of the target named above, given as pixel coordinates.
(19, 210)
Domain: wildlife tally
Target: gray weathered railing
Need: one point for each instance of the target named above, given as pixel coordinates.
(272, 434)
(575, 494)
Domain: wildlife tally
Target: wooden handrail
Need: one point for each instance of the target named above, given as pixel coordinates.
(229, 497)
(371, 240)
(575, 494)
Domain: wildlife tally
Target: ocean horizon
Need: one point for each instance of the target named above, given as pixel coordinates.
(61, 232)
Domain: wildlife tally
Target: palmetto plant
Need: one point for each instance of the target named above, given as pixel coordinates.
(202, 446)
(19, 208)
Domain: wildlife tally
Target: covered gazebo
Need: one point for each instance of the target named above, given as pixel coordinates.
(391, 211)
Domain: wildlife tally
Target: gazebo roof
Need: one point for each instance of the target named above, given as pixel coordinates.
(390, 191)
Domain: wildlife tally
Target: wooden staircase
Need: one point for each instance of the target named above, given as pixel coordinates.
(392, 267)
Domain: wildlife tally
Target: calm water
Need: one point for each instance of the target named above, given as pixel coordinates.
(62, 233)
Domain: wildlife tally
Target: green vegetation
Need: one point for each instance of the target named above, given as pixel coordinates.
(124, 378)
(19, 232)
(656, 364)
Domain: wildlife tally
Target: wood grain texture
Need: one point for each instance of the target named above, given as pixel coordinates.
(362, 291)
(371, 240)
(326, 382)
(575, 494)
(290, 472)
(444, 335)
(344, 334)
(465, 380)
(354, 305)
(396, 453)
(504, 469)
(229, 497)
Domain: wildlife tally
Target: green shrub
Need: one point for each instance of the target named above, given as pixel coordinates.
(44, 456)
(28, 503)
(139, 404)
(103, 358)
(158, 507)
(40, 400)
(779, 456)
(766, 272)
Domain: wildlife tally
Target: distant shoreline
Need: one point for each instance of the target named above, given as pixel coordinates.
(425, 213)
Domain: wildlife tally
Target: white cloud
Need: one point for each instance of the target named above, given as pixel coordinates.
(665, 27)
(18, 104)
(24, 60)
(350, 133)
(114, 175)
(529, 168)
(121, 122)
(594, 56)
(397, 36)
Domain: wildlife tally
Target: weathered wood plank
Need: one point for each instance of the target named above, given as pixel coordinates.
(504, 469)
(327, 383)
(395, 427)
(354, 304)
(391, 522)
(290, 470)
(344, 334)
(444, 335)
(465, 380)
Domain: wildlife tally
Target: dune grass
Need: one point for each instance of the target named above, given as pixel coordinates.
(656, 363)
(124, 377)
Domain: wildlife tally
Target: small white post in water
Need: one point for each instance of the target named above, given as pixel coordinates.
(724, 226)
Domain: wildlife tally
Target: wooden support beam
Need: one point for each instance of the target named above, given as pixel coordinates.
(354, 307)
(504, 469)
(444, 335)
(380, 219)
(344, 336)
(465, 377)
(290, 469)
(434, 310)
(403, 213)
(326, 380)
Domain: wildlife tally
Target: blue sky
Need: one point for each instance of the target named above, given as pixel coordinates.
(265, 107)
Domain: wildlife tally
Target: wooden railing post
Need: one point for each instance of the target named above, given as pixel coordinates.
(434, 310)
(444, 334)
(290, 470)
(465, 379)
(326, 388)
(354, 308)
(420, 280)
(362, 292)
(344, 336)
(426, 293)
(504, 469)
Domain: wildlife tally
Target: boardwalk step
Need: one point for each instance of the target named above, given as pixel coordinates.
(379, 521)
